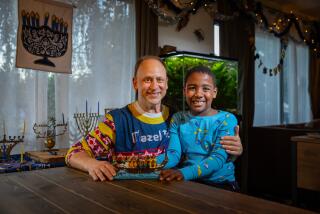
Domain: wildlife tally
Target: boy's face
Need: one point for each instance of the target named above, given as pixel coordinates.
(151, 83)
(200, 92)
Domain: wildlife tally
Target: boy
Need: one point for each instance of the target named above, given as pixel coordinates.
(196, 135)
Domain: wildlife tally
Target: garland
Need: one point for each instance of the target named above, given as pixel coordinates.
(278, 68)
(308, 31)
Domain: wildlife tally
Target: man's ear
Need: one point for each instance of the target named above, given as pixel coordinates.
(135, 83)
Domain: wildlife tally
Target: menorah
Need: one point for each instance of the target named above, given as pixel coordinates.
(6, 145)
(86, 121)
(43, 40)
(49, 132)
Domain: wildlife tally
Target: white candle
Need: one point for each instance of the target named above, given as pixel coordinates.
(86, 107)
(4, 127)
(21, 152)
(98, 107)
(24, 127)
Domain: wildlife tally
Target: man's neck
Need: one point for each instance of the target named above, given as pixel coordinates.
(150, 108)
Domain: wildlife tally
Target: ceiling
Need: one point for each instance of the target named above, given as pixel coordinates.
(306, 8)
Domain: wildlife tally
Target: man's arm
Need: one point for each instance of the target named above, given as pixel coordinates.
(98, 170)
(99, 142)
(232, 144)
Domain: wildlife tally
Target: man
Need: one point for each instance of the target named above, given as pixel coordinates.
(140, 128)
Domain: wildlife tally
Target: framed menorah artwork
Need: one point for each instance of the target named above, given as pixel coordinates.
(44, 39)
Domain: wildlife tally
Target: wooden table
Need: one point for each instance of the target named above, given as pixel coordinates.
(65, 190)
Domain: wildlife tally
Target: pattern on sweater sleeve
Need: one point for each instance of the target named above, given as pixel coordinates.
(99, 143)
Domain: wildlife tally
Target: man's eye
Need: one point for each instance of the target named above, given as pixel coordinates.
(147, 80)
(160, 80)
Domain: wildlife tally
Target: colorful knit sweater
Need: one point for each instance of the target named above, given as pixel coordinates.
(126, 134)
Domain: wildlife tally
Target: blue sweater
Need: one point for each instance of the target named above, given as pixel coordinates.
(196, 141)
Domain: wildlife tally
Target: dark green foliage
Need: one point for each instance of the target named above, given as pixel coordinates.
(226, 73)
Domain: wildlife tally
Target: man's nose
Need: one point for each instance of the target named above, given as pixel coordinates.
(153, 84)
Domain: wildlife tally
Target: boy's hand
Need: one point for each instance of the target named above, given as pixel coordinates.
(170, 175)
(232, 144)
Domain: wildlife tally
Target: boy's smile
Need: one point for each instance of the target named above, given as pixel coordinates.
(199, 92)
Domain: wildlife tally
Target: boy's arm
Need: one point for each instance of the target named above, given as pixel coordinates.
(217, 157)
(174, 148)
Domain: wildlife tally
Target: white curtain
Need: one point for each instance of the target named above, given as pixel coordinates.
(282, 98)
(296, 95)
(267, 88)
(102, 65)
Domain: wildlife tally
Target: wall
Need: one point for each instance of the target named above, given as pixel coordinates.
(185, 39)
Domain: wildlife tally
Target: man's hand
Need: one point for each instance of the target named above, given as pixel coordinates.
(232, 144)
(100, 170)
(170, 175)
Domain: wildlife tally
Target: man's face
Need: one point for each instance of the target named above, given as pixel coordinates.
(151, 83)
(199, 92)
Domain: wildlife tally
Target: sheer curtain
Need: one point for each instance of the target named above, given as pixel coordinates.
(102, 61)
(102, 65)
(267, 88)
(282, 98)
(296, 94)
(23, 94)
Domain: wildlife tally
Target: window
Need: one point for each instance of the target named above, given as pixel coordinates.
(103, 57)
(216, 39)
(282, 98)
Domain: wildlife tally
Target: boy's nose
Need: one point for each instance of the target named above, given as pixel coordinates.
(199, 93)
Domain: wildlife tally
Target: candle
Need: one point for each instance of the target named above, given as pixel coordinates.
(86, 107)
(98, 107)
(24, 127)
(21, 152)
(62, 118)
(4, 127)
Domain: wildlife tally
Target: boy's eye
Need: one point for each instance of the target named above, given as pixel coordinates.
(191, 88)
(206, 89)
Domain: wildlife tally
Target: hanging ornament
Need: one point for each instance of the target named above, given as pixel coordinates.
(278, 68)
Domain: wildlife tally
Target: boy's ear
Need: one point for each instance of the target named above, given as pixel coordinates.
(215, 92)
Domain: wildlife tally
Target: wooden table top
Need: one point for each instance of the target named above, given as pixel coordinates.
(65, 190)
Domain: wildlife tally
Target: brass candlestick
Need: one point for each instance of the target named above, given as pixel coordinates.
(49, 131)
(6, 145)
(86, 122)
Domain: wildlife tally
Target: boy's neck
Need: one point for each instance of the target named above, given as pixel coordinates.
(208, 112)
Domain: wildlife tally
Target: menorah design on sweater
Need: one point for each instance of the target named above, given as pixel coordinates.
(42, 40)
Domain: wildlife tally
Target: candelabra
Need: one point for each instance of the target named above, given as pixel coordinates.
(86, 121)
(49, 131)
(8, 144)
